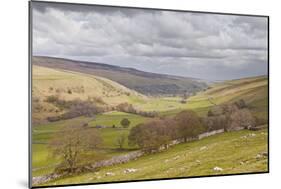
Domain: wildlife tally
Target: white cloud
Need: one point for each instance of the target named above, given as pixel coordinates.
(198, 45)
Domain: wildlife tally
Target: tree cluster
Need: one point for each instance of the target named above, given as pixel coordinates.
(152, 135)
(128, 108)
(233, 116)
(74, 108)
(186, 125)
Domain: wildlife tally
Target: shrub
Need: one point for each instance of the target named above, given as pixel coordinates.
(210, 113)
(95, 99)
(128, 108)
(183, 101)
(241, 104)
(54, 118)
(52, 99)
(260, 121)
(125, 123)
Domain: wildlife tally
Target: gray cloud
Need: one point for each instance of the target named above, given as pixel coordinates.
(209, 46)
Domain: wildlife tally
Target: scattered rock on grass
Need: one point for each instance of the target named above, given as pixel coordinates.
(258, 156)
(203, 148)
(249, 135)
(261, 155)
(109, 174)
(265, 154)
(217, 169)
(130, 170)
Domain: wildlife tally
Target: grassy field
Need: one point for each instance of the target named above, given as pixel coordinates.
(234, 152)
(110, 134)
(237, 149)
(43, 161)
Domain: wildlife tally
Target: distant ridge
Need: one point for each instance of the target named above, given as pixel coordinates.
(141, 81)
(109, 66)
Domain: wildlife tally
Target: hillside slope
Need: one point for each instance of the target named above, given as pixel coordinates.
(69, 85)
(254, 91)
(198, 158)
(143, 82)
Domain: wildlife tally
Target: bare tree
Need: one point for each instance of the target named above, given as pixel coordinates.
(241, 119)
(120, 141)
(72, 144)
(188, 125)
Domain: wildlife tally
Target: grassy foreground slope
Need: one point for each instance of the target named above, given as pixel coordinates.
(234, 152)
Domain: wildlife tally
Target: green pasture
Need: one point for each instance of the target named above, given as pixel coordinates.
(42, 160)
(234, 152)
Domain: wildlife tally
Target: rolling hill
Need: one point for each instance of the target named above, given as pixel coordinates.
(253, 90)
(140, 81)
(68, 85)
(181, 160)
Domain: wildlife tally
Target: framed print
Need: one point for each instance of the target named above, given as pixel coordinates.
(122, 94)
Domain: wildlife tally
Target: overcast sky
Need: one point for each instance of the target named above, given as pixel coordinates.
(207, 46)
